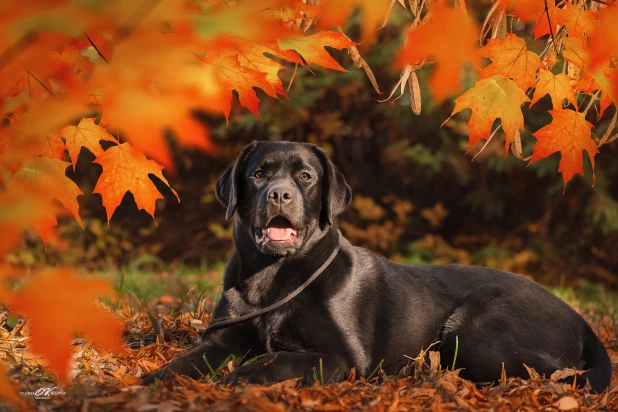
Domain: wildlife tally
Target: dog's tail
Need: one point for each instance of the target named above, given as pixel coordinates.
(597, 360)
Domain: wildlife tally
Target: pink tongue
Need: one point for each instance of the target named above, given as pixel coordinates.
(278, 234)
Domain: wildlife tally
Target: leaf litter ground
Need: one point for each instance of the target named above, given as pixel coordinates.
(165, 328)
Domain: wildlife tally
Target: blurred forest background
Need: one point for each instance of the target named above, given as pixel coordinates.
(418, 198)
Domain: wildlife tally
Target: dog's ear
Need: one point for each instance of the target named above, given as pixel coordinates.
(336, 193)
(228, 184)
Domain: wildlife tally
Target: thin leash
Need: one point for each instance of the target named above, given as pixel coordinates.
(229, 322)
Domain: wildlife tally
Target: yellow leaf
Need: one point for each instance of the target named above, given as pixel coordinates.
(490, 99)
(557, 86)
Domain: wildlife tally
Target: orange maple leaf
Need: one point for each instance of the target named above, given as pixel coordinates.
(598, 80)
(490, 99)
(578, 21)
(451, 39)
(575, 51)
(535, 10)
(603, 43)
(150, 86)
(289, 10)
(8, 390)
(143, 116)
(334, 13)
(311, 48)
(16, 150)
(54, 169)
(251, 54)
(570, 134)
(86, 134)
(34, 133)
(60, 304)
(511, 58)
(231, 75)
(125, 169)
(69, 59)
(26, 204)
(557, 86)
(14, 83)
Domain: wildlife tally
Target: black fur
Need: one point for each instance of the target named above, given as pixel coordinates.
(363, 309)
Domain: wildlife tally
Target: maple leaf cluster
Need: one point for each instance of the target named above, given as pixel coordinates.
(111, 78)
(577, 43)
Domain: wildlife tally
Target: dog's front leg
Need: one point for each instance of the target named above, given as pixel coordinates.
(216, 346)
(281, 366)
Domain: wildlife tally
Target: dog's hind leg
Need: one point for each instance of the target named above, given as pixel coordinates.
(490, 329)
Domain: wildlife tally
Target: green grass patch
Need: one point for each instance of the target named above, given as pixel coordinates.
(149, 278)
(589, 296)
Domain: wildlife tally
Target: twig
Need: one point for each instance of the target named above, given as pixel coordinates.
(593, 98)
(551, 30)
(608, 132)
(96, 48)
(606, 3)
(41, 83)
(293, 77)
(487, 142)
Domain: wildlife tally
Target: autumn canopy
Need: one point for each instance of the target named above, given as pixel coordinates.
(113, 77)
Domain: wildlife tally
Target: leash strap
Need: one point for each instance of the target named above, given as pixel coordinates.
(229, 322)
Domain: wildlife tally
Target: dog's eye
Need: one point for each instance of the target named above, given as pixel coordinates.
(259, 174)
(305, 176)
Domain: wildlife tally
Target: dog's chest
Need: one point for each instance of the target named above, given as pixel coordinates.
(269, 327)
(273, 335)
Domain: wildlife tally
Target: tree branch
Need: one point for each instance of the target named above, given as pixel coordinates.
(606, 3)
(41, 83)
(96, 48)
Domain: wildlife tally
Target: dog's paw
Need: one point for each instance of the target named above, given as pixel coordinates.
(150, 378)
(245, 375)
(179, 366)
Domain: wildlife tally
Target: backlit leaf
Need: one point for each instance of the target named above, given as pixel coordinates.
(535, 10)
(512, 59)
(54, 169)
(603, 43)
(60, 304)
(491, 99)
(557, 86)
(27, 204)
(334, 13)
(570, 134)
(578, 21)
(311, 48)
(231, 75)
(86, 134)
(450, 38)
(125, 169)
(250, 54)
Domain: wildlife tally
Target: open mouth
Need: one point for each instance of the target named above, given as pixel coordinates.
(278, 229)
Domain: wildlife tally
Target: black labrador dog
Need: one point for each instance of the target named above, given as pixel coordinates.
(361, 309)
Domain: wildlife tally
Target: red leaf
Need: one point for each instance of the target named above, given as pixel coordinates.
(570, 134)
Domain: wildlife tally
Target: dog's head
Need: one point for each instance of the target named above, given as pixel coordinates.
(283, 193)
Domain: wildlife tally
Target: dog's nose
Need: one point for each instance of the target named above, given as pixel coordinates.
(280, 195)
